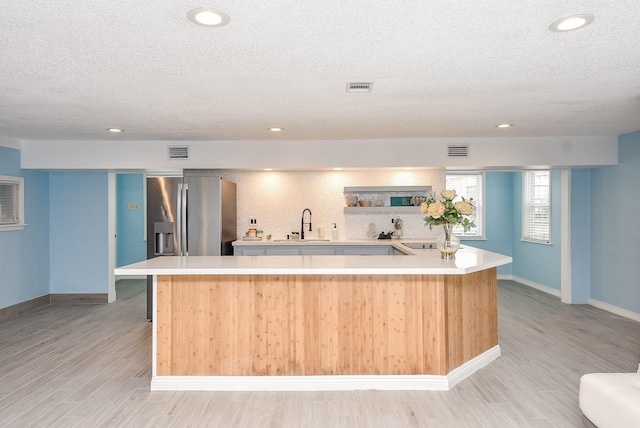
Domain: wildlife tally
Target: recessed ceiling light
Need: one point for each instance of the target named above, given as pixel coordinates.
(504, 125)
(208, 17)
(276, 129)
(268, 169)
(115, 130)
(337, 169)
(572, 22)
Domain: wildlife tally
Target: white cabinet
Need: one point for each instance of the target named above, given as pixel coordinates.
(365, 250)
(283, 251)
(249, 251)
(317, 251)
(312, 250)
(386, 199)
(265, 250)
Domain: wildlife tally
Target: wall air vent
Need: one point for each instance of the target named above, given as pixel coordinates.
(359, 87)
(458, 150)
(178, 152)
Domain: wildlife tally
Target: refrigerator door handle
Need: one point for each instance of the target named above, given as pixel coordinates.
(180, 217)
(179, 220)
(184, 237)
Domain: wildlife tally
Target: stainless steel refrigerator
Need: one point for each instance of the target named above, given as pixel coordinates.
(192, 215)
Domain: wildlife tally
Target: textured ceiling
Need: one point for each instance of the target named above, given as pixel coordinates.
(441, 68)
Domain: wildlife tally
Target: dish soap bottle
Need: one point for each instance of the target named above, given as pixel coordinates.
(334, 232)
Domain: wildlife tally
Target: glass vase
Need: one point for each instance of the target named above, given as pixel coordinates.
(447, 242)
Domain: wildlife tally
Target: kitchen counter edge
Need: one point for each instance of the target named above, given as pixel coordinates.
(418, 262)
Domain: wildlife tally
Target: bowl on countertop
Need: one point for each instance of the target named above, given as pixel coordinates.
(365, 203)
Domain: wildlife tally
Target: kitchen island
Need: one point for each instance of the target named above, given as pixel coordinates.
(320, 322)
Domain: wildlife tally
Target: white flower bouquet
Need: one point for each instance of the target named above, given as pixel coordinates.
(446, 211)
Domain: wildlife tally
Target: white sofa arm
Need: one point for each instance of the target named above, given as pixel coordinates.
(611, 400)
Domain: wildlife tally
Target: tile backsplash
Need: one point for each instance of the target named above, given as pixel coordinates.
(277, 198)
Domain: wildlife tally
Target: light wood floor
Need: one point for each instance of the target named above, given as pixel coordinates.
(89, 366)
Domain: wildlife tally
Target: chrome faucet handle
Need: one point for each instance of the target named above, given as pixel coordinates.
(302, 223)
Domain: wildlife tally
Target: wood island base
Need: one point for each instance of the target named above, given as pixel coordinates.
(322, 331)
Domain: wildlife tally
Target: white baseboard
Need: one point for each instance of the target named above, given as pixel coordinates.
(614, 309)
(326, 383)
(473, 365)
(532, 284)
(593, 302)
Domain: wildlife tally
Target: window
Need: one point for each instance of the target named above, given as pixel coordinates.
(470, 185)
(536, 206)
(11, 203)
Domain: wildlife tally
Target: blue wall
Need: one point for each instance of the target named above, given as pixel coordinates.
(538, 263)
(615, 252)
(24, 254)
(498, 216)
(130, 230)
(78, 209)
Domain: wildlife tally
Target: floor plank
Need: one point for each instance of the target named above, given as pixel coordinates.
(90, 365)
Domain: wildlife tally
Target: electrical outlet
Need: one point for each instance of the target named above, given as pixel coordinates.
(133, 207)
(253, 222)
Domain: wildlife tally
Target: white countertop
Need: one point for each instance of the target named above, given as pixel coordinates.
(426, 262)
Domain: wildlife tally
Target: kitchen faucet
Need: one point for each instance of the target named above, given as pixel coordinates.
(302, 224)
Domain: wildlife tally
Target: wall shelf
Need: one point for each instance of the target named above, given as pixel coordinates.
(399, 209)
(387, 189)
(380, 197)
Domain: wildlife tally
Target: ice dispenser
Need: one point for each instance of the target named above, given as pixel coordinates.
(163, 232)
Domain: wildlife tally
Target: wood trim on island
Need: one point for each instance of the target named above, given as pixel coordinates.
(325, 324)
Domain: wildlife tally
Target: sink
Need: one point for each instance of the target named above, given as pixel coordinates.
(300, 241)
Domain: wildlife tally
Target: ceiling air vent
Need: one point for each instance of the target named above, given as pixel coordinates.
(458, 150)
(178, 152)
(359, 87)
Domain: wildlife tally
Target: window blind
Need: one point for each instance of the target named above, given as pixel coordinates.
(8, 202)
(469, 185)
(536, 206)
